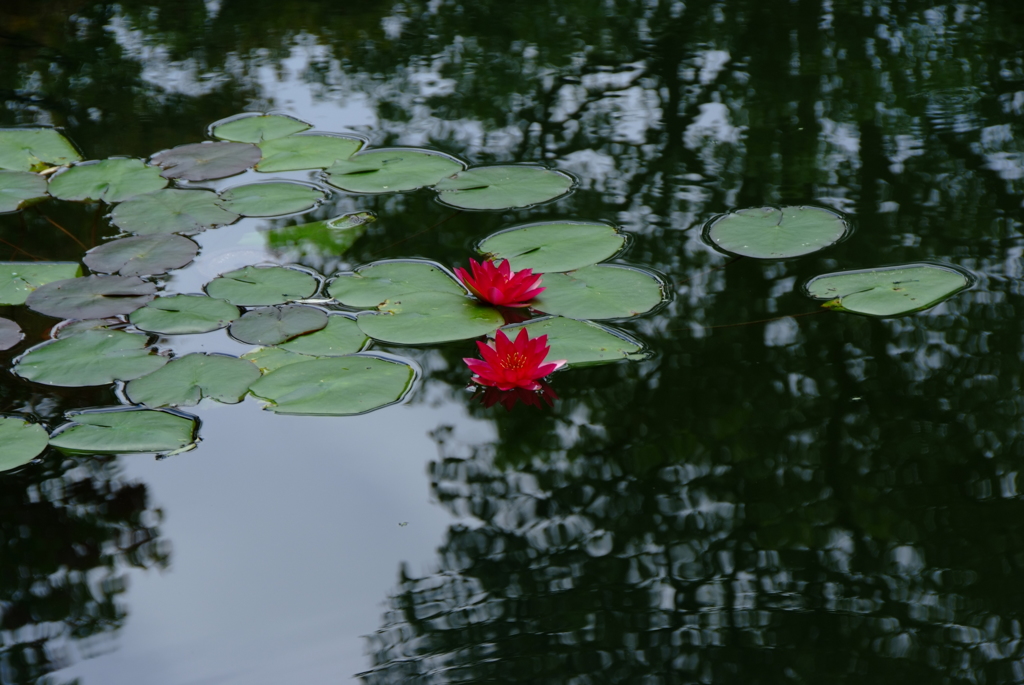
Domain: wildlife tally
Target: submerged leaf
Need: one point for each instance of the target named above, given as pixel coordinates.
(603, 291)
(204, 161)
(184, 382)
(888, 291)
(274, 325)
(111, 180)
(142, 255)
(372, 284)
(10, 334)
(339, 337)
(306, 151)
(184, 314)
(554, 245)
(22, 442)
(776, 233)
(96, 357)
(429, 317)
(19, 279)
(255, 128)
(391, 170)
(91, 297)
(20, 188)
(35, 149)
(503, 187)
(331, 238)
(274, 198)
(172, 211)
(254, 286)
(581, 343)
(124, 431)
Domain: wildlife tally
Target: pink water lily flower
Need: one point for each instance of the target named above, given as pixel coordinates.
(508, 364)
(496, 283)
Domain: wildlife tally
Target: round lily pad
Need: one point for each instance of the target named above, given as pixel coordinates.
(22, 442)
(254, 286)
(270, 199)
(269, 359)
(255, 128)
(392, 170)
(341, 386)
(372, 284)
(581, 343)
(71, 327)
(184, 382)
(111, 180)
(20, 188)
(19, 279)
(603, 291)
(306, 151)
(888, 291)
(330, 238)
(125, 431)
(503, 187)
(10, 335)
(184, 314)
(204, 161)
(429, 317)
(172, 211)
(554, 245)
(35, 149)
(91, 297)
(339, 337)
(142, 255)
(274, 325)
(95, 357)
(776, 232)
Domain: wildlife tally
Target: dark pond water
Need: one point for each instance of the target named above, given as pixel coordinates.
(778, 494)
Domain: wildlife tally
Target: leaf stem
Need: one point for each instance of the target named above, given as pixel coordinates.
(63, 230)
(21, 250)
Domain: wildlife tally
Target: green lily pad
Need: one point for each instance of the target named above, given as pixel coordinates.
(270, 199)
(91, 297)
(332, 238)
(19, 279)
(306, 151)
(111, 181)
(274, 325)
(339, 337)
(22, 441)
(71, 327)
(184, 314)
(204, 161)
(184, 382)
(125, 431)
(341, 386)
(254, 286)
(142, 255)
(269, 359)
(776, 233)
(888, 291)
(172, 211)
(554, 245)
(603, 291)
(11, 334)
(373, 284)
(429, 317)
(255, 128)
(581, 343)
(96, 357)
(503, 187)
(20, 188)
(392, 170)
(35, 149)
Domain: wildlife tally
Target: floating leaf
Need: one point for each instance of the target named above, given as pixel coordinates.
(269, 359)
(339, 337)
(554, 245)
(255, 128)
(71, 327)
(503, 187)
(185, 381)
(600, 292)
(341, 386)
(581, 343)
(392, 170)
(306, 151)
(888, 291)
(97, 357)
(10, 335)
(22, 442)
(204, 161)
(370, 285)
(274, 325)
(270, 199)
(254, 286)
(91, 297)
(184, 314)
(20, 188)
(124, 431)
(331, 238)
(19, 279)
(142, 255)
(35, 149)
(172, 211)
(111, 180)
(776, 233)
(429, 317)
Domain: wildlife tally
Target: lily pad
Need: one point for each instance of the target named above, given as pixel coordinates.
(22, 441)
(306, 151)
(254, 286)
(20, 188)
(339, 337)
(19, 279)
(204, 161)
(96, 357)
(429, 317)
(10, 335)
(776, 232)
(341, 386)
(142, 255)
(503, 187)
(255, 128)
(71, 327)
(172, 211)
(270, 199)
(125, 431)
(269, 359)
(111, 181)
(35, 149)
(372, 284)
(392, 170)
(184, 314)
(554, 245)
(274, 325)
(581, 343)
(889, 291)
(91, 297)
(184, 382)
(331, 238)
(603, 291)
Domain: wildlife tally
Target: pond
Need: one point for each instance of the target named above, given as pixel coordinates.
(739, 283)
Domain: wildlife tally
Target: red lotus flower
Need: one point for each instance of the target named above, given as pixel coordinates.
(507, 364)
(490, 396)
(495, 282)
